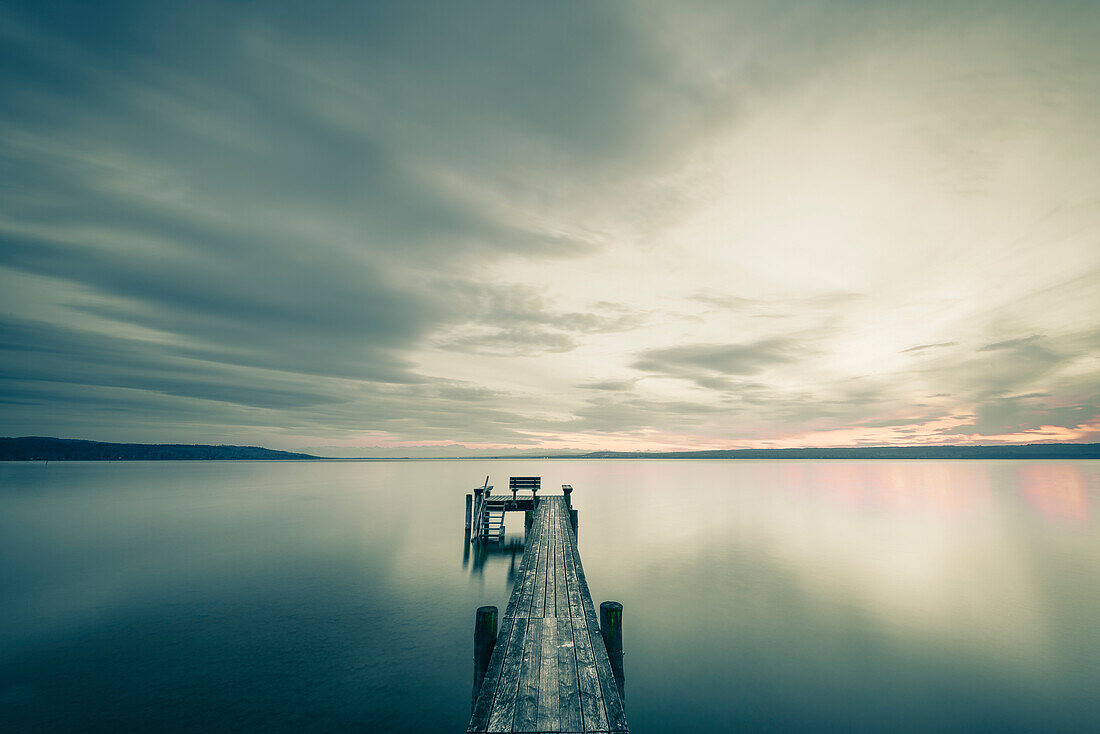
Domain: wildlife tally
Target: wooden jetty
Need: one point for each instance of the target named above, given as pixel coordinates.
(551, 667)
(485, 513)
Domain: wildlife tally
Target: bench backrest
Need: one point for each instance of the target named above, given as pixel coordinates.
(521, 483)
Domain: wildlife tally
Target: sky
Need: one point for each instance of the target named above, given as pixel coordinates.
(450, 228)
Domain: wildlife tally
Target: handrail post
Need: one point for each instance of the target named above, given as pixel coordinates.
(479, 512)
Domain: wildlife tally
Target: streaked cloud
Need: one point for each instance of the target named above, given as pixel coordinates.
(922, 347)
(588, 225)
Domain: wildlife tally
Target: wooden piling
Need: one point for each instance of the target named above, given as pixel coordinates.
(611, 628)
(485, 639)
(469, 509)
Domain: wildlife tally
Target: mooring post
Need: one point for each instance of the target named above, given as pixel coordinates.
(611, 627)
(485, 639)
(469, 509)
(567, 490)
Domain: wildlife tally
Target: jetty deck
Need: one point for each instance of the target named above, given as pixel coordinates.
(549, 670)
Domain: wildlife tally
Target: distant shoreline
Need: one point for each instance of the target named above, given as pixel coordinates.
(37, 448)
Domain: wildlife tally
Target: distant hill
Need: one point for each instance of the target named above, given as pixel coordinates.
(36, 448)
(1026, 451)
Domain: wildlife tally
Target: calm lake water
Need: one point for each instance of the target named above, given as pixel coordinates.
(336, 597)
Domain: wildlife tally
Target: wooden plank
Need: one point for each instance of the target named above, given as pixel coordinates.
(548, 601)
(538, 603)
(582, 584)
(517, 586)
(527, 592)
(553, 582)
(576, 607)
(561, 599)
(548, 609)
(483, 705)
(616, 717)
(593, 712)
(569, 696)
(548, 717)
(527, 697)
(521, 588)
(503, 710)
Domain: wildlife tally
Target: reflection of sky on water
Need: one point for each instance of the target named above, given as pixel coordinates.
(863, 596)
(1057, 491)
(944, 573)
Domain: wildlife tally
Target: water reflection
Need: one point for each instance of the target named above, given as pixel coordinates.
(774, 595)
(510, 549)
(1056, 491)
(938, 487)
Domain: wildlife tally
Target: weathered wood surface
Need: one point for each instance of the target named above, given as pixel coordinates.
(549, 671)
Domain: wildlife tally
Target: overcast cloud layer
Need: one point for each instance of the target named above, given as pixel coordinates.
(553, 225)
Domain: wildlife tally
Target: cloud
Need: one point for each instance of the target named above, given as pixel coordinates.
(1006, 366)
(614, 414)
(732, 303)
(1013, 344)
(609, 385)
(278, 208)
(511, 342)
(41, 352)
(1019, 384)
(707, 363)
(501, 320)
(924, 347)
(437, 222)
(109, 384)
(1013, 415)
